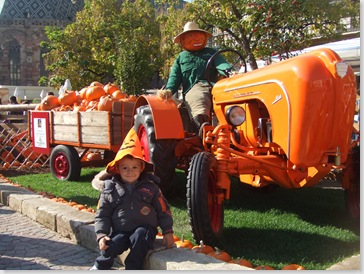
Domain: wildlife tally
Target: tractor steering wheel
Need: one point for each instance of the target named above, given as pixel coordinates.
(237, 59)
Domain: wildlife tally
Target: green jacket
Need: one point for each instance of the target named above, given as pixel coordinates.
(190, 68)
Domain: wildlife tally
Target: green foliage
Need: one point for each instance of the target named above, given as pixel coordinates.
(261, 28)
(130, 42)
(138, 46)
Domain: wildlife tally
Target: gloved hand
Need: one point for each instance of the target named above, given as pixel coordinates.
(164, 94)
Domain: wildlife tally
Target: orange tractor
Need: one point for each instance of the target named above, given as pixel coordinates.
(288, 124)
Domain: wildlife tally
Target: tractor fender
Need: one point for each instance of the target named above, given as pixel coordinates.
(167, 119)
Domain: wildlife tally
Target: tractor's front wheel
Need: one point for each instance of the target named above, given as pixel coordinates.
(206, 213)
(65, 163)
(159, 152)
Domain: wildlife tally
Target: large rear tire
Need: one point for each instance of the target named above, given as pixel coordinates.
(65, 163)
(206, 215)
(159, 152)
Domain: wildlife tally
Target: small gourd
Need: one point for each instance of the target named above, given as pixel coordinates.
(220, 255)
(202, 248)
(183, 243)
(293, 267)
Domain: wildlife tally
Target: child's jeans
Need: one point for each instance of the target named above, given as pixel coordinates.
(139, 241)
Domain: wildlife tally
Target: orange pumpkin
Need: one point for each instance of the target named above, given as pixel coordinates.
(92, 105)
(242, 262)
(82, 92)
(69, 97)
(93, 156)
(105, 103)
(96, 83)
(220, 255)
(264, 267)
(49, 102)
(183, 243)
(94, 93)
(118, 94)
(175, 238)
(79, 108)
(202, 248)
(110, 88)
(293, 267)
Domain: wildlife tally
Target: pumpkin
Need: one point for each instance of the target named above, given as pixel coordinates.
(79, 108)
(69, 97)
(110, 88)
(91, 105)
(105, 103)
(49, 102)
(96, 84)
(93, 156)
(175, 238)
(94, 93)
(264, 267)
(220, 255)
(293, 267)
(118, 94)
(82, 92)
(183, 243)
(242, 262)
(202, 248)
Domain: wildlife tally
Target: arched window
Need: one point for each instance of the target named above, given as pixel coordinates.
(14, 62)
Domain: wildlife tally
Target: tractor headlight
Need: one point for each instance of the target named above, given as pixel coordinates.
(235, 115)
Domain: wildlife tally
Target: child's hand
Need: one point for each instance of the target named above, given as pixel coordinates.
(103, 243)
(168, 240)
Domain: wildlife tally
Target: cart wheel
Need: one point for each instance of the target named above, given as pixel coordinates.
(352, 174)
(205, 213)
(159, 152)
(65, 163)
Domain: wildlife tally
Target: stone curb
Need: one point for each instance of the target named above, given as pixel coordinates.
(78, 226)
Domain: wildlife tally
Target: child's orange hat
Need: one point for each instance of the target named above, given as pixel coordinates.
(130, 146)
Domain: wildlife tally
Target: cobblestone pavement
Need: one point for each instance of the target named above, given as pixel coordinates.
(27, 245)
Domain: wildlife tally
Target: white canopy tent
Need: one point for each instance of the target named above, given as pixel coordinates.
(348, 50)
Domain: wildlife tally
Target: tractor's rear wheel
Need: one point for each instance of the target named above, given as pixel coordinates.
(159, 152)
(206, 214)
(352, 174)
(65, 163)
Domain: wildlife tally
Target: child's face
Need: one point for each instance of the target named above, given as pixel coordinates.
(193, 40)
(130, 169)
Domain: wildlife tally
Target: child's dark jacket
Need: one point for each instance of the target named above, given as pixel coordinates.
(122, 210)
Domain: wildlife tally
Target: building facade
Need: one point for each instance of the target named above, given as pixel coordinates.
(22, 25)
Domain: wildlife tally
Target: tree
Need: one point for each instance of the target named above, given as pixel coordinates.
(106, 33)
(261, 28)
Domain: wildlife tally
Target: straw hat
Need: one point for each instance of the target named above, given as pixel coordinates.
(130, 146)
(190, 26)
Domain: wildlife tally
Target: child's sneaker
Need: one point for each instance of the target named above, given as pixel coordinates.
(94, 268)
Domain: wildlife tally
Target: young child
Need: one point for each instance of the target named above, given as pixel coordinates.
(131, 207)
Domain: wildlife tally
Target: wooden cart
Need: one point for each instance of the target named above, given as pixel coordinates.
(68, 136)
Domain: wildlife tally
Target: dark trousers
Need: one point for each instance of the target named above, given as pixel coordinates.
(139, 241)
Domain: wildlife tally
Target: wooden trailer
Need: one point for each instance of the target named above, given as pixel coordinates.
(68, 137)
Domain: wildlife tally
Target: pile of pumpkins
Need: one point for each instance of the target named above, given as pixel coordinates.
(223, 255)
(96, 96)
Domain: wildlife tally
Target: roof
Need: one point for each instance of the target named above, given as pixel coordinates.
(39, 9)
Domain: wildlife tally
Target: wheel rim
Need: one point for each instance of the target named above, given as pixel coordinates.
(215, 210)
(143, 137)
(61, 166)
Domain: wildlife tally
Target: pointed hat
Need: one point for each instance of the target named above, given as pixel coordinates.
(130, 146)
